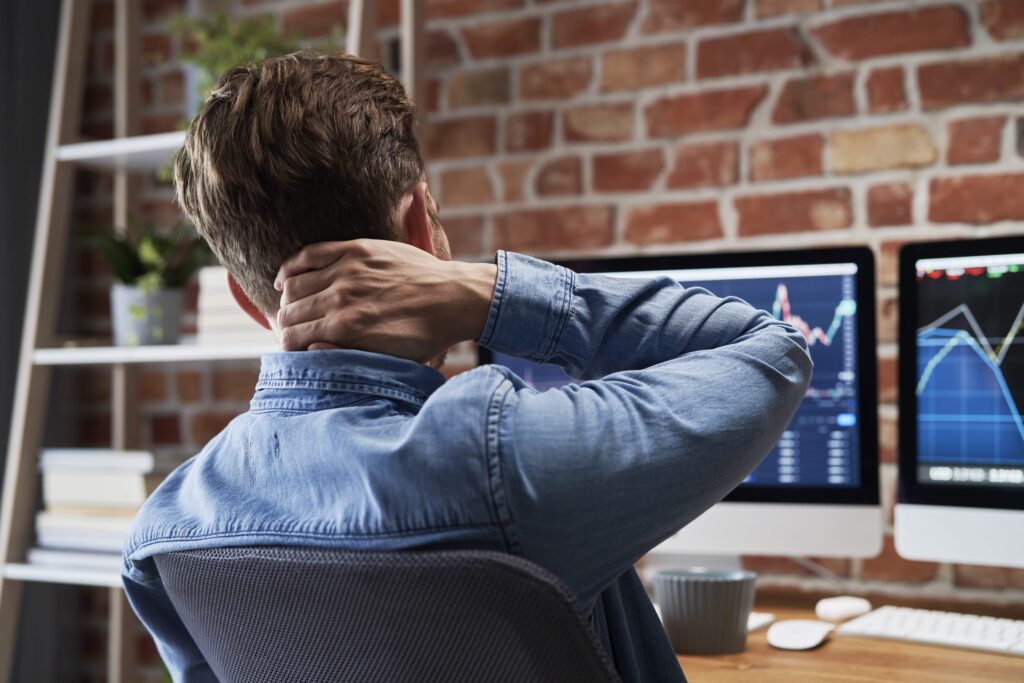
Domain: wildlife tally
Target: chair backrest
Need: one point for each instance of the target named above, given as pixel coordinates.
(278, 614)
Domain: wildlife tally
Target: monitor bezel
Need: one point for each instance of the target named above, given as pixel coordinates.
(866, 492)
(910, 490)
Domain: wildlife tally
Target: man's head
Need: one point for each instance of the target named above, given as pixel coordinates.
(300, 149)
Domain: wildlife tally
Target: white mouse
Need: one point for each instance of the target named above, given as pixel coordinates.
(798, 634)
(841, 608)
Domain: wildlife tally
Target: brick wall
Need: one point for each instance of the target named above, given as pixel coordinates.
(561, 127)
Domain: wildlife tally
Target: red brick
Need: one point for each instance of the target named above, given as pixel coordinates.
(465, 235)
(888, 262)
(528, 131)
(503, 38)
(579, 227)
(205, 426)
(979, 576)
(975, 141)
(94, 430)
(888, 439)
(774, 8)
(559, 78)
(440, 50)
(887, 311)
(459, 138)
(152, 386)
(643, 67)
(190, 386)
(314, 21)
(432, 97)
(887, 380)
(1004, 19)
(92, 386)
(890, 204)
(992, 79)
(593, 24)
(674, 222)
(671, 15)
(889, 566)
(98, 98)
(786, 158)
(816, 97)
(165, 430)
(752, 52)
(886, 91)
(709, 110)
(626, 171)
(794, 212)
(560, 177)
(235, 384)
(600, 122)
(102, 17)
(977, 199)
(387, 13)
(513, 179)
(479, 88)
(443, 9)
(156, 48)
(158, 10)
(172, 88)
(709, 164)
(766, 564)
(160, 123)
(889, 33)
(467, 187)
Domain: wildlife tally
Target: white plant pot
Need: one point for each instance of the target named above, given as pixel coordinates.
(142, 317)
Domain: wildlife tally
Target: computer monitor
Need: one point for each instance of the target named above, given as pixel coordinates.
(961, 492)
(817, 491)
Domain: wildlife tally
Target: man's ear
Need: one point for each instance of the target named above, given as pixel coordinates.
(416, 219)
(248, 306)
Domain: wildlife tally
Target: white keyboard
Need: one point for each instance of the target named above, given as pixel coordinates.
(1005, 636)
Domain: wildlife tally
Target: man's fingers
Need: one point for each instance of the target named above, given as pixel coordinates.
(305, 284)
(310, 257)
(315, 306)
(300, 337)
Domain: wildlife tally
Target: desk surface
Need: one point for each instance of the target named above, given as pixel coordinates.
(848, 659)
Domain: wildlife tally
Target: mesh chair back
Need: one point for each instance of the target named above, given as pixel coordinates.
(278, 614)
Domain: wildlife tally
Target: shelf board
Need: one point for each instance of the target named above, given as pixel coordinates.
(139, 153)
(66, 575)
(174, 353)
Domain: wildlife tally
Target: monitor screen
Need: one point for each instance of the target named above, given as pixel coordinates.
(821, 448)
(962, 373)
(970, 369)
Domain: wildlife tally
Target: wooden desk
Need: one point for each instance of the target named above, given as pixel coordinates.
(847, 660)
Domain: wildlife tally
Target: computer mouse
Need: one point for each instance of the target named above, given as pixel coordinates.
(798, 634)
(841, 608)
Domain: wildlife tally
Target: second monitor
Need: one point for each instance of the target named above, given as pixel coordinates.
(817, 491)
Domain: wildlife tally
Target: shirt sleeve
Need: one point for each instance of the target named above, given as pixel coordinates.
(683, 394)
(152, 605)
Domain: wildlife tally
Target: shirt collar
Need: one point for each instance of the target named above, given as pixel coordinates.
(316, 373)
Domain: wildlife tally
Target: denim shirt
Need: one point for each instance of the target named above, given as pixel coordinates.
(681, 394)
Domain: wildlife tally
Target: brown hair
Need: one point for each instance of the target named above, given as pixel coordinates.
(294, 150)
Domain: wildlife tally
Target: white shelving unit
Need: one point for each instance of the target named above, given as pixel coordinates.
(178, 353)
(67, 575)
(133, 155)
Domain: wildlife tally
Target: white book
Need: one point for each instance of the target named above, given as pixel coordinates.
(80, 540)
(48, 557)
(99, 488)
(95, 459)
(98, 524)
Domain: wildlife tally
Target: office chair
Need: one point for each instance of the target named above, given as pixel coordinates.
(277, 614)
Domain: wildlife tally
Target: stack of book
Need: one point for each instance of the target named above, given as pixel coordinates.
(90, 497)
(220, 321)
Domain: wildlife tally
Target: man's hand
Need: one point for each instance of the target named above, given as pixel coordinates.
(381, 296)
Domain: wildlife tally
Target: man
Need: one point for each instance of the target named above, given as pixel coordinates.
(361, 444)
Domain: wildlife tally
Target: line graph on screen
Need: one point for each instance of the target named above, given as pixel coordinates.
(966, 409)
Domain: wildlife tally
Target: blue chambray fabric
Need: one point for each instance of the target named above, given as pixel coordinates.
(680, 395)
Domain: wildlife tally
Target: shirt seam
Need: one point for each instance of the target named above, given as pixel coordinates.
(496, 300)
(499, 493)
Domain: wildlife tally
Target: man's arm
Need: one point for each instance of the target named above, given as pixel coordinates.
(687, 391)
(694, 391)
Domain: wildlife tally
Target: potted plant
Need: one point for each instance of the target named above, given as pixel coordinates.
(153, 269)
